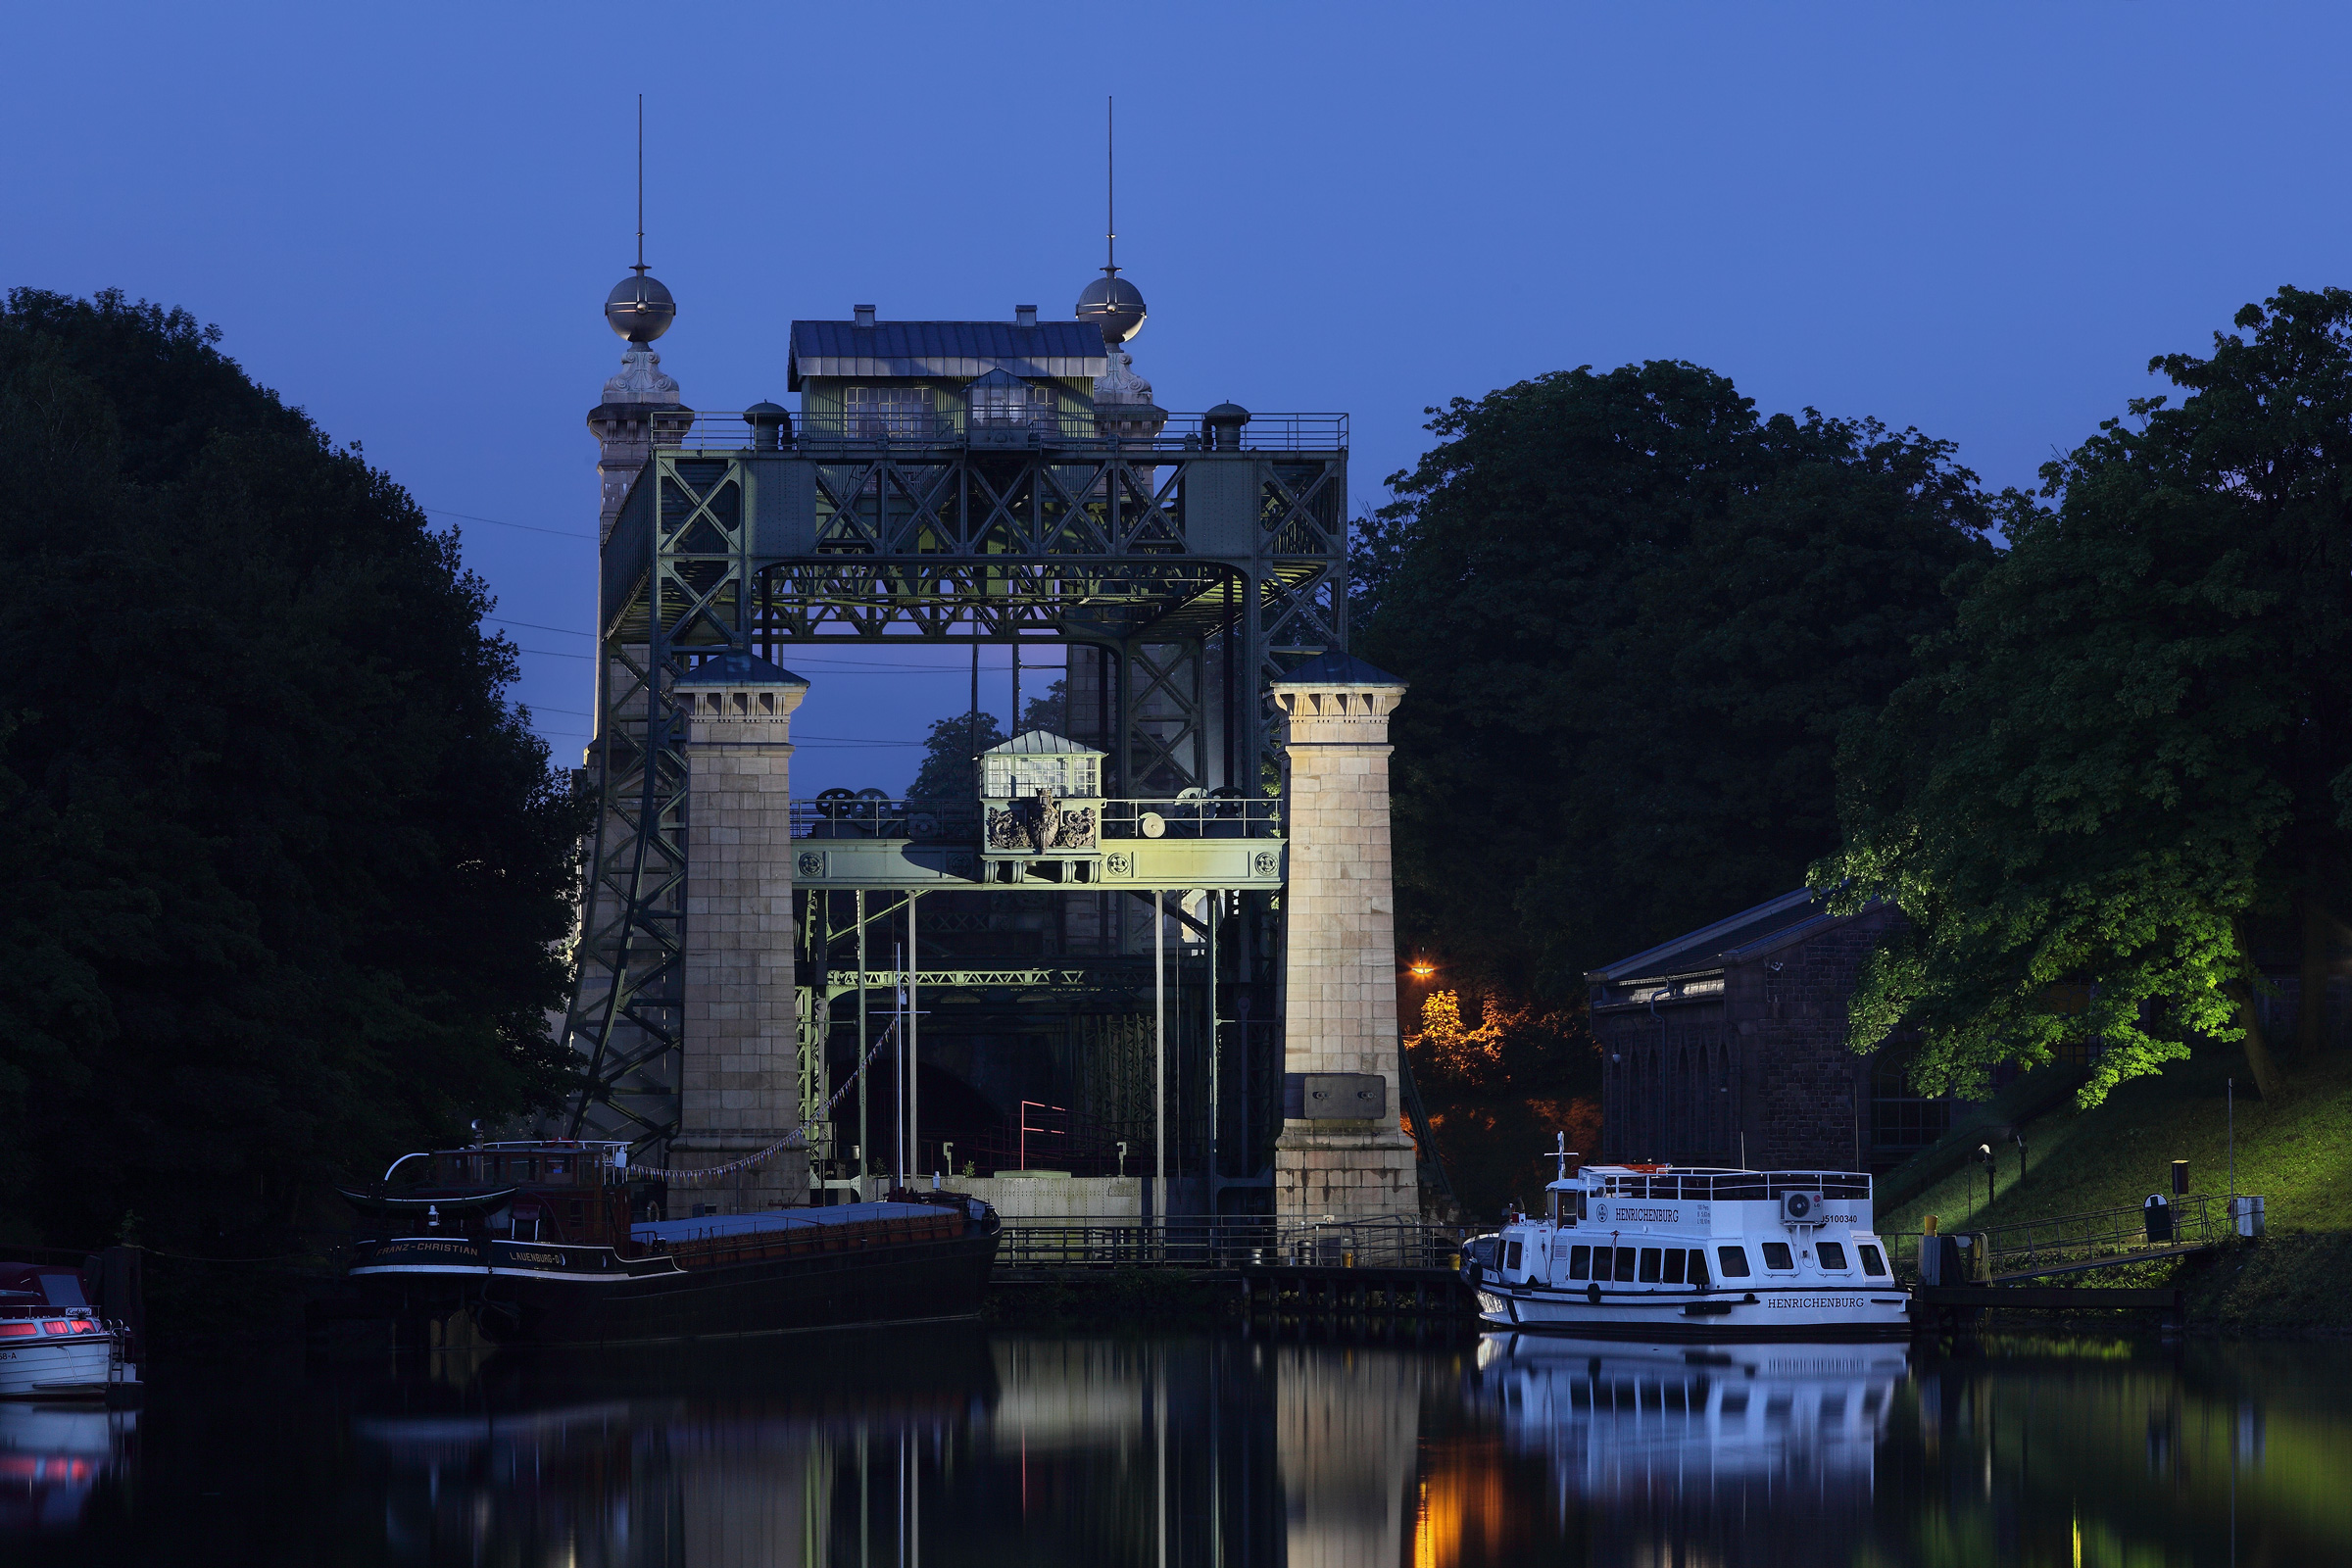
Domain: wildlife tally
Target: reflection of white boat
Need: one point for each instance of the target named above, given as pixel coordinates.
(1616, 1418)
(1651, 1253)
(53, 1457)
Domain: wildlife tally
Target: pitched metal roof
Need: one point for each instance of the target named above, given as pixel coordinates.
(1725, 942)
(900, 349)
(1041, 743)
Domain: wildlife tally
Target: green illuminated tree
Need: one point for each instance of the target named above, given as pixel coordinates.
(2132, 754)
(1634, 615)
(288, 878)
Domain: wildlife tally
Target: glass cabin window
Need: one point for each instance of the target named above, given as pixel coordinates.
(1510, 1259)
(1734, 1260)
(1580, 1262)
(1871, 1263)
(1699, 1267)
(1007, 775)
(1776, 1255)
(1625, 1265)
(1832, 1254)
(1676, 1261)
(1649, 1265)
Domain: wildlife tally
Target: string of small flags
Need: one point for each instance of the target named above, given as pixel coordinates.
(798, 1138)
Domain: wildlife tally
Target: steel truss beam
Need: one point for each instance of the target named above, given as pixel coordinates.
(1203, 575)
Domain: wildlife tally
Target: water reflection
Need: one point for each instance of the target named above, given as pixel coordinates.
(1685, 1447)
(964, 1446)
(53, 1458)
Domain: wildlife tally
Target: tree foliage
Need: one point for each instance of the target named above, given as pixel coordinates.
(952, 750)
(1634, 615)
(288, 877)
(1497, 1093)
(2133, 749)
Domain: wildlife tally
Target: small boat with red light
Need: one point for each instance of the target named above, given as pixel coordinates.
(53, 1345)
(541, 1244)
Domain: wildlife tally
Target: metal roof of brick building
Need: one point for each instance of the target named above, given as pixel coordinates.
(898, 349)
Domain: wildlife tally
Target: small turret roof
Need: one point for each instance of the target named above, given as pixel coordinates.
(739, 669)
(1336, 668)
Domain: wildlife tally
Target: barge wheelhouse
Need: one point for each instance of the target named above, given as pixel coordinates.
(1658, 1251)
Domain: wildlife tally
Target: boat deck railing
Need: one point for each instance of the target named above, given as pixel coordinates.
(1743, 1186)
(1228, 1244)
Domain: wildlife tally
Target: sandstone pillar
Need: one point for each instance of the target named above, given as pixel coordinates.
(739, 1088)
(1340, 947)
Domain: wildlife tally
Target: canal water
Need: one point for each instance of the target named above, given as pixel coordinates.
(969, 1445)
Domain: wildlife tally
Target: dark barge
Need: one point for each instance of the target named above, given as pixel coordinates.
(537, 1244)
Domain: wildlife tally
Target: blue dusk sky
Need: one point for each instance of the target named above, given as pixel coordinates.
(1981, 220)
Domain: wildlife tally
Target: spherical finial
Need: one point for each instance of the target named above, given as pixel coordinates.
(1114, 304)
(640, 309)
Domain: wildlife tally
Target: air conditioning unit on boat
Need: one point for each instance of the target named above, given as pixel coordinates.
(1800, 1209)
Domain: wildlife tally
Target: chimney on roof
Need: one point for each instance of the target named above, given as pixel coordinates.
(1024, 316)
(865, 315)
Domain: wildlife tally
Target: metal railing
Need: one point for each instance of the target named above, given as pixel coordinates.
(875, 815)
(2068, 1242)
(726, 431)
(1740, 1186)
(937, 821)
(1230, 1242)
(1213, 817)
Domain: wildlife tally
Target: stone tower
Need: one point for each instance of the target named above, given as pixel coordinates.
(740, 1079)
(1342, 1151)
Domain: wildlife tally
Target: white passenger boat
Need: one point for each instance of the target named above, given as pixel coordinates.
(52, 1344)
(1652, 1251)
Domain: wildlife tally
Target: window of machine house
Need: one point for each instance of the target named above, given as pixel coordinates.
(1734, 1260)
(1010, 402)
(1902, 1120)
(894, 412)
(1776, 1255)
(1831, 1255)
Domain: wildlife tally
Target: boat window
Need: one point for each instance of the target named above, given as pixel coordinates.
(1625, 1265)
(1871, 1263)
(1510, 1257)
(1555, 1199)
(1699, 1267)
(1734, 1260)
(1832, 1254)
(1674, 1262)
(1776, 1255)
(557, 1167)
(1649, 1265)
(1580, 1262)
(63, 1290)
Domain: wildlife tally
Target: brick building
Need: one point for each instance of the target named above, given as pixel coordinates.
(1727, 1047)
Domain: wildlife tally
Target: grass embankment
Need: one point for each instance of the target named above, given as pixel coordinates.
(2297, 1152)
